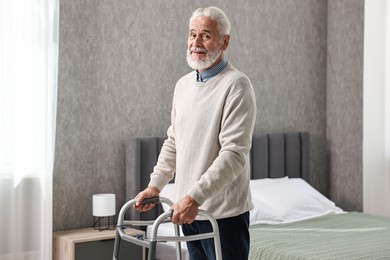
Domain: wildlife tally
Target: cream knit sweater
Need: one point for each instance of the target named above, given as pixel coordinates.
(208, 143)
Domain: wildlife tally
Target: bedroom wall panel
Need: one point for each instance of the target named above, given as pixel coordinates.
(118, 65)
(345, 102)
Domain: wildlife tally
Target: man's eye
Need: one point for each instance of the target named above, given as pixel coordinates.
(205, 37)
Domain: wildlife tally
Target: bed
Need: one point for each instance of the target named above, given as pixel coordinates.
(291, 220)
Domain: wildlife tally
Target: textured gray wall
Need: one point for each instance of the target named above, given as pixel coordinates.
(119, 62)
(345, 102)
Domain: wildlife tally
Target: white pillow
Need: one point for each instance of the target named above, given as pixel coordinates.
(169, 193)
(288, 201)
(262, 214)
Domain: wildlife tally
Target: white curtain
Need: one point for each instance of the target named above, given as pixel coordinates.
(28, 93)
(376, 107)
(387, 98)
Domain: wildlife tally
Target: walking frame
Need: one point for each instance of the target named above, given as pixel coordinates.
(151, 243)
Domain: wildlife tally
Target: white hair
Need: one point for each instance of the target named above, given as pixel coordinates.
(215, 14)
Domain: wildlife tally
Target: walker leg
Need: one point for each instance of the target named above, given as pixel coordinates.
(178, 244)
(152, 250)
(217, 245)
(116, 246)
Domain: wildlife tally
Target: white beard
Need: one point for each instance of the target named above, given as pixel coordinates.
(206, 62)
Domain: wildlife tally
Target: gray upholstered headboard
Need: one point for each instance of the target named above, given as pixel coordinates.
(273, 155)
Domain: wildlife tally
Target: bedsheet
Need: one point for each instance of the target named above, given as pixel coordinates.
(343, 236)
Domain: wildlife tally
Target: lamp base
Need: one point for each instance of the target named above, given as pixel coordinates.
(104, 223)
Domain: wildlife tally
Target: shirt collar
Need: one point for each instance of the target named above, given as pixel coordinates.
(213, 71)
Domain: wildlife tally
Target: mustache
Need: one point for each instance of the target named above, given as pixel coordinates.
(198, 49)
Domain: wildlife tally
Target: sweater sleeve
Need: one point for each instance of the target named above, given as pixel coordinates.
(235, 138)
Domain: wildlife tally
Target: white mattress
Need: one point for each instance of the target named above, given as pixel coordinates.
(167, 250)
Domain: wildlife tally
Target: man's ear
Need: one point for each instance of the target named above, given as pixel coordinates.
(225, 40)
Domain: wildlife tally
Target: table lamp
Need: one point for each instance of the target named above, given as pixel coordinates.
(103, 208)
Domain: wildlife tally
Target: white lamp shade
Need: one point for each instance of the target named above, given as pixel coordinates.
(103, 205)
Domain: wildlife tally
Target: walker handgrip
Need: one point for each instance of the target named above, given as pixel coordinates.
(154, 200)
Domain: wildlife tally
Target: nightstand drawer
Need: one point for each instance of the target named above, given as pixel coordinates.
(103, 249)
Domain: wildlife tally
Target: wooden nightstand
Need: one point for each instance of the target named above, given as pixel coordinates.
(91, 244)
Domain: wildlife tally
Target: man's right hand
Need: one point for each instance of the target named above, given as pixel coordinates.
(146, 193)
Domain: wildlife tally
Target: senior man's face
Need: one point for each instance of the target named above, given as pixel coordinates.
(205, 45)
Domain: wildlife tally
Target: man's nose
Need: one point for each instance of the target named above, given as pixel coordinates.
(198, 40)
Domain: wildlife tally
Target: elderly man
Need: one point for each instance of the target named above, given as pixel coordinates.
(210, 135)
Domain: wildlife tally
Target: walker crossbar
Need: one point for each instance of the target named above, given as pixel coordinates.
(152, 242)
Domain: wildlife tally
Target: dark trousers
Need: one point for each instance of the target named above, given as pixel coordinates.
(234, 236)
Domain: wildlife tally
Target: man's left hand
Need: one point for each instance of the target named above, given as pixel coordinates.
(184, 211)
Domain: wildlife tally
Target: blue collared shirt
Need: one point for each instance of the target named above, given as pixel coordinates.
(213, 71)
